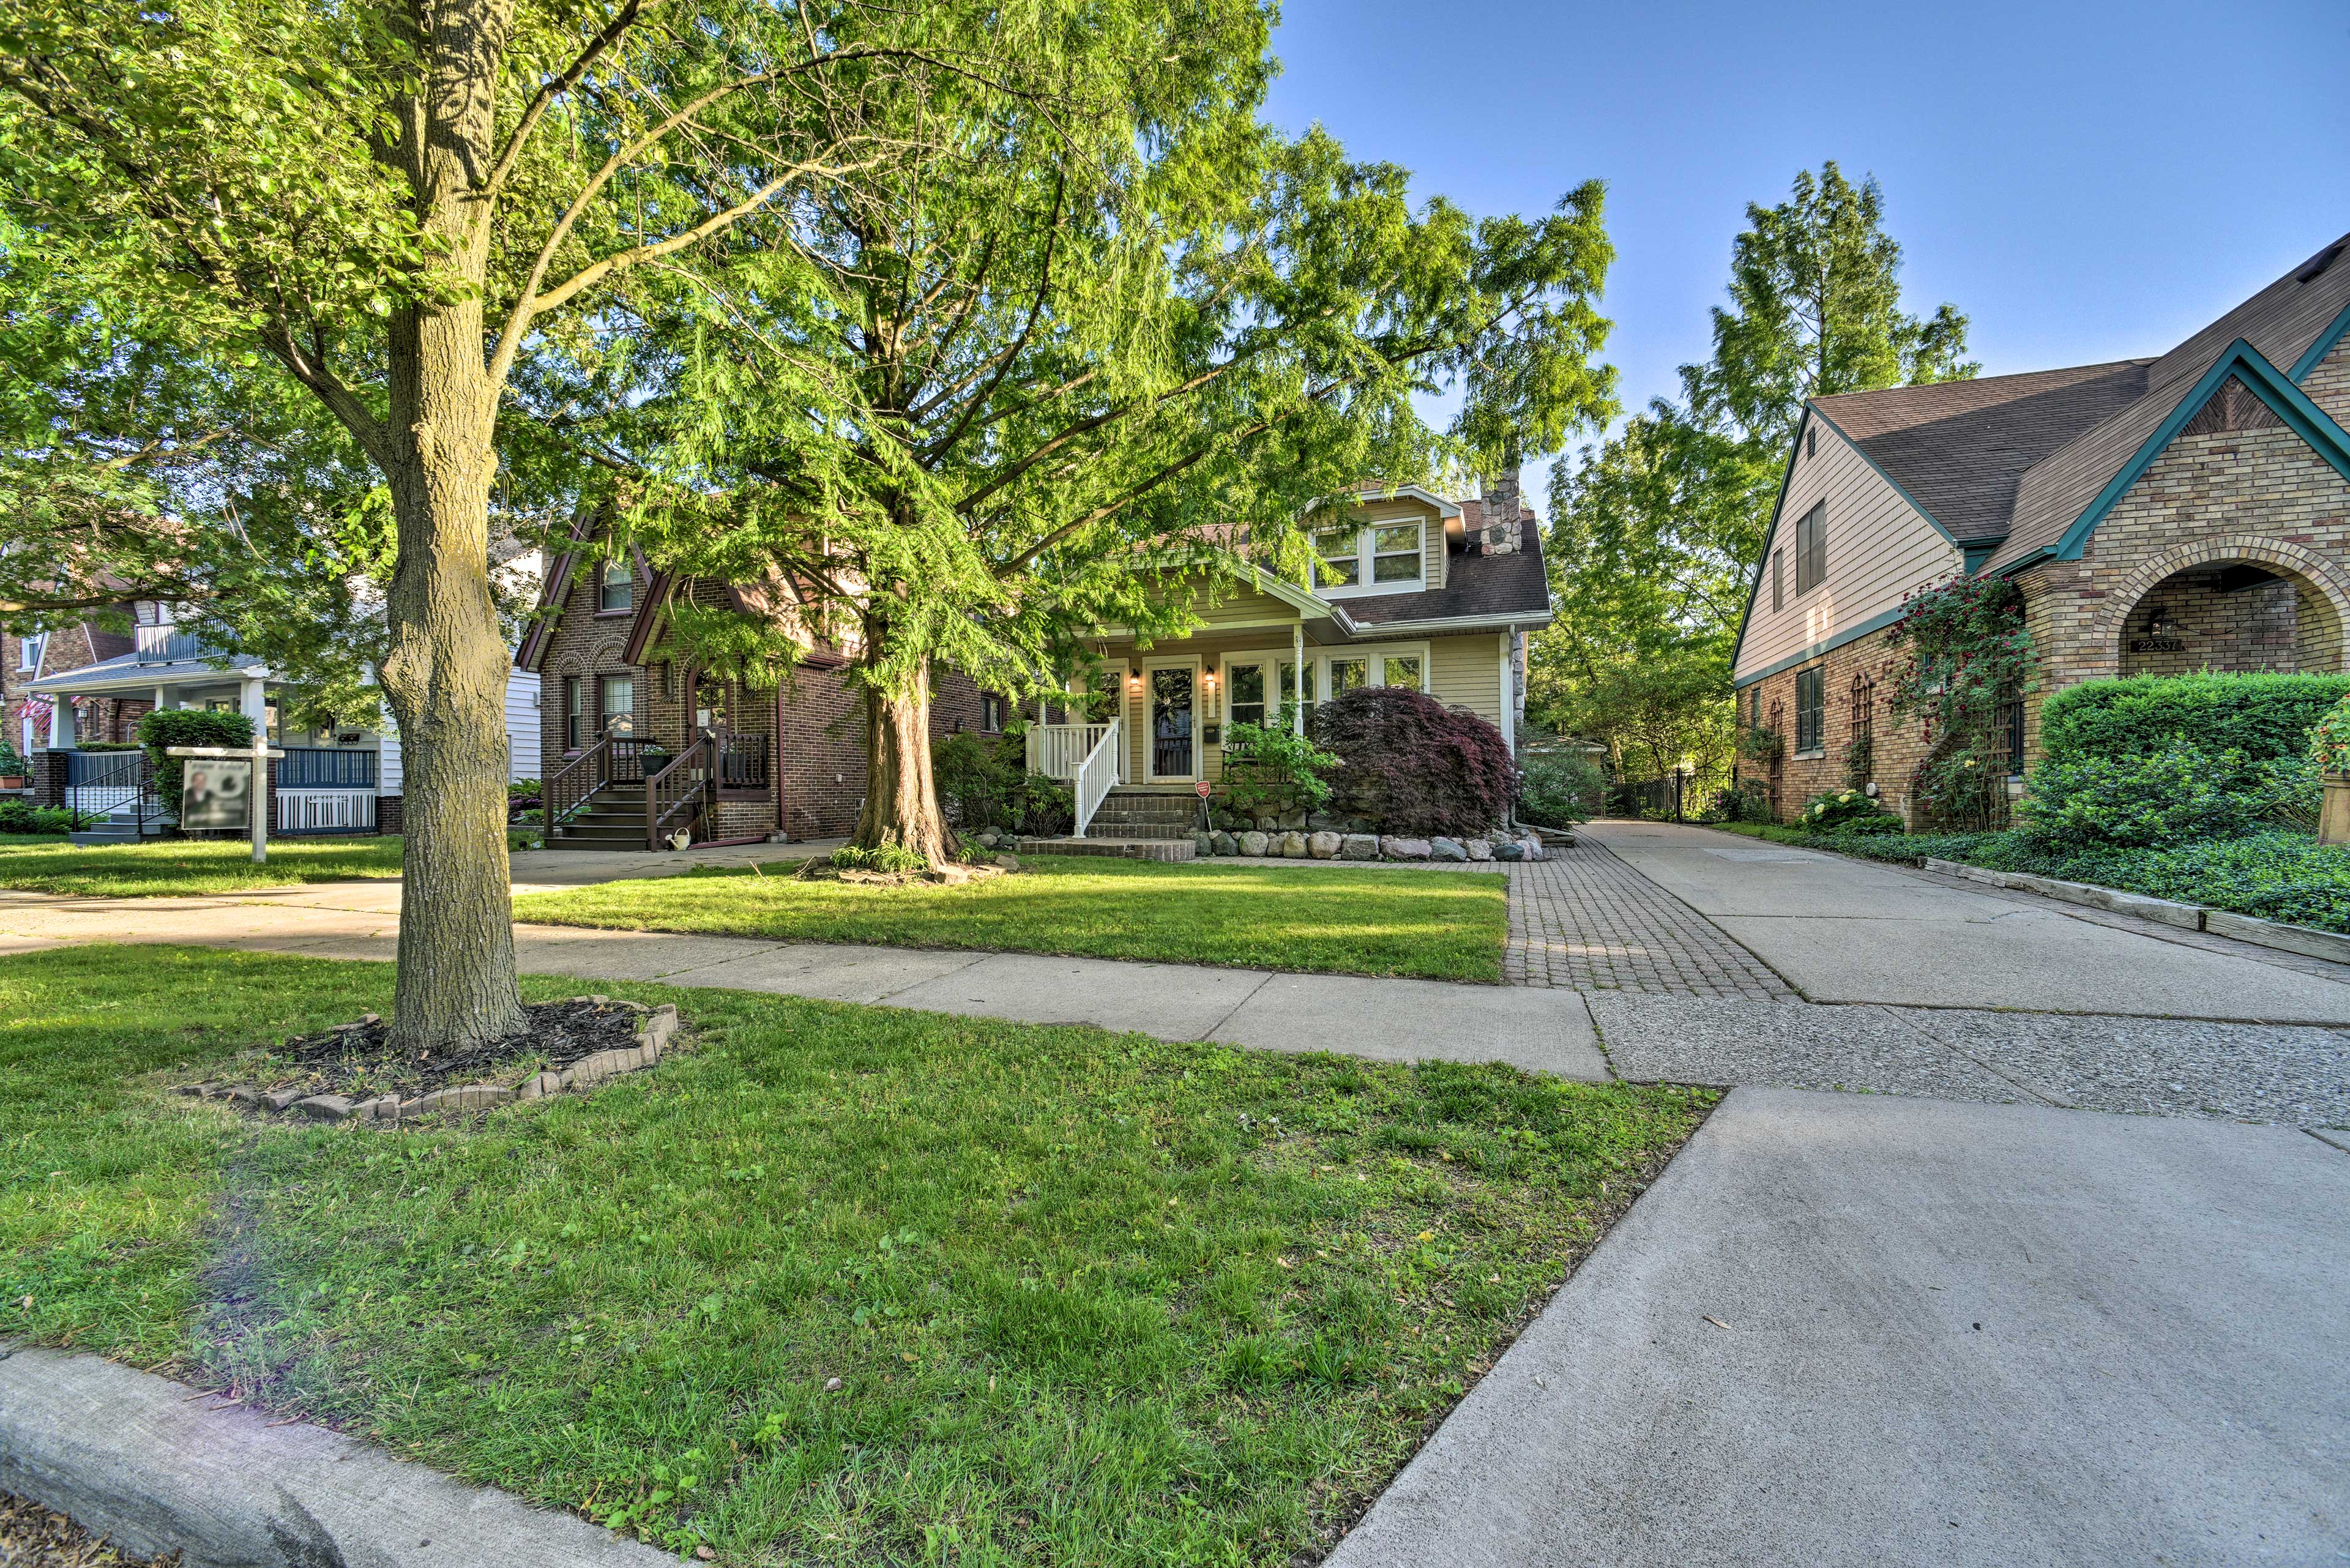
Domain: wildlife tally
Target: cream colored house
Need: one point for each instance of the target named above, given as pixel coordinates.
(1416, 589)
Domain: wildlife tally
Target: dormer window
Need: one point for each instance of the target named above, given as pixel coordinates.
(1373, 558)
(615, 590)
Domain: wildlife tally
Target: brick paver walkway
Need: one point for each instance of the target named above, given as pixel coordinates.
(1584, 921)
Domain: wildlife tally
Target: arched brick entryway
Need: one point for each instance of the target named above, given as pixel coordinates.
(2235, 602)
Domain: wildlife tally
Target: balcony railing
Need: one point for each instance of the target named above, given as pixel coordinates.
(172, 645)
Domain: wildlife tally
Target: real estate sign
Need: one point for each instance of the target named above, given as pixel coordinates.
(216, 792)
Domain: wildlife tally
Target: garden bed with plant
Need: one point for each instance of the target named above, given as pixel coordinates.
(2203, 789)
(840, 1284)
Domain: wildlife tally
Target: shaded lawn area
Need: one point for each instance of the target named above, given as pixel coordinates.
(1437, 925)
(190, 865)
(1092, 1298)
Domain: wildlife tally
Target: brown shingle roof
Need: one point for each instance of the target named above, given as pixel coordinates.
(2281, 323)
(1959, 448)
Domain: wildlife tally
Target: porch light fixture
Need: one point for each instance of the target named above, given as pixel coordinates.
(1134, 683)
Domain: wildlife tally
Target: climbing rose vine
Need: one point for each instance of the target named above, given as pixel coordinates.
(1966, 656)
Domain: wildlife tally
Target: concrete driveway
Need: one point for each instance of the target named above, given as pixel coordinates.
(1846, 930)
(1853, 1330)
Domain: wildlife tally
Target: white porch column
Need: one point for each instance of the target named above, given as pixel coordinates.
(61, 723)
(1297, 679)
(162, 698)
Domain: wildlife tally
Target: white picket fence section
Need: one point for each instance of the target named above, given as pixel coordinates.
(325, 811)
(1099, 772)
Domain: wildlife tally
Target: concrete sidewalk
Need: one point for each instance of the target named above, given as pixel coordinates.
(1394, 1019)
(1848, 1330)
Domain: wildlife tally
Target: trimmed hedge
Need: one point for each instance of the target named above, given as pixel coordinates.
(2266, 717)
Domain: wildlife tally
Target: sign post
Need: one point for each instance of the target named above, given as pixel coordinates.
(1200, 789)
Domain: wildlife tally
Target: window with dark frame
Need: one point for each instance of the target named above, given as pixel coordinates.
(1811, 709)
(2011, 734)
(990, 712)
(1778, 599)
(572, 713)
(1811, 548)
(616, 588)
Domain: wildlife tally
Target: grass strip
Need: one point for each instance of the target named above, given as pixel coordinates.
(191, 866)
(1435, 925)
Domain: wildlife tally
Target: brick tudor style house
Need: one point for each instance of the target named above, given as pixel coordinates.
(2183, 513)
(795, 760)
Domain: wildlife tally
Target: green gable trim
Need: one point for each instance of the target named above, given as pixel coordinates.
(1852, 634)
(1888, 478)
(2323, 346)
(2289, 402)
(1976, 555)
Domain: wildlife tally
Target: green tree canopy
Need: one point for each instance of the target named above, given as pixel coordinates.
(987, 399)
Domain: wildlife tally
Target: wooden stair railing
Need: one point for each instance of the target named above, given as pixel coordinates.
(582, 777)
(684, 790)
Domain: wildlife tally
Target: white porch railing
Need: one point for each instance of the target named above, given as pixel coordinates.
(1057, 750)
(325, 811)
(1099, 772)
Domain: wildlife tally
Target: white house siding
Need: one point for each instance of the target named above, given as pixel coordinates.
(1879, 548)
(522, 724)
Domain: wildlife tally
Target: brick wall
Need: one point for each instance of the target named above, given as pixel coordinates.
(1897, 747)
(2214, 626)
(2255, 496)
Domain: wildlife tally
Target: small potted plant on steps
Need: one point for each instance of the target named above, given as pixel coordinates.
(12, 768)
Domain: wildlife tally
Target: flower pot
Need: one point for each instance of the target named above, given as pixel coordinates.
(11, 781)
(2333, 818)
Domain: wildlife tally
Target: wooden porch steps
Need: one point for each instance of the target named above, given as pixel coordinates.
(611, 818)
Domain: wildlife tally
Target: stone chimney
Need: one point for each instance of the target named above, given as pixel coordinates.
(1501, 536)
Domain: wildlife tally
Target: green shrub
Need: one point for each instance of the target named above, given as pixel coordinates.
(974, 779)
(1271, 770)
(1846, 811)
(187, 727)
(11, 765)
(2179, 793)
(892, 857)
(2266, 717)
(23, 816)
(107, 746)
(1747, 800)
(2329, 739)
(1559, 791)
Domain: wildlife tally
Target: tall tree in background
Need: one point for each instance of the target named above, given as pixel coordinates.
(394, 208)
(992, 397)
(1655, 532)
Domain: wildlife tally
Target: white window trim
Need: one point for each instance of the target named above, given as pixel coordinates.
(29, 653)
(1363, 586)
(1318, 659)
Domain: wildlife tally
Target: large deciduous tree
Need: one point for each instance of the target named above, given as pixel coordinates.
(398, 204)
(991, 396)
(1655, 532)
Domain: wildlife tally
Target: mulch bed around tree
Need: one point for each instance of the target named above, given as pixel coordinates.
(359, 1058)
(32, 1536)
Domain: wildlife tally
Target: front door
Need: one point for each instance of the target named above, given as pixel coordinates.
(1172, 721)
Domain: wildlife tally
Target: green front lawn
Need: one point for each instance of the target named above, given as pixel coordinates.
(1091, 1298)
(190, 865)
(1438, 925)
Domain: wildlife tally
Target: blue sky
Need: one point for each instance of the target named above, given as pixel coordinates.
(2087, 182)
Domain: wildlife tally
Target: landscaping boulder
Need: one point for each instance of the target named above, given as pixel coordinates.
(1533, 847)
(1509, 849)
(989, 838)
(1480, 849)
(1293, 845)
(1321, 822)
(1446, 849)
(1268, 823)
(1292, 821)
(1203, 844)
(1222, 843)
(1252, 844)
(1323, 844)
(1404, 848)
(1359, 846)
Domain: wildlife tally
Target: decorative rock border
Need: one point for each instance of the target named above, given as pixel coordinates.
(652, 1039)
(2306, 940)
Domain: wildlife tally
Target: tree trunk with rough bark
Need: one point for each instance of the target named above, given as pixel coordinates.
(445, 674)
(901, 796)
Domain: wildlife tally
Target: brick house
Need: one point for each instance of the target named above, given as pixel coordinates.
(76, 646)
(2186, 512)
(794, 763)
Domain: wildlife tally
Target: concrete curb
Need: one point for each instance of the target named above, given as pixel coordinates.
(135, 1458)
(2305, 941)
